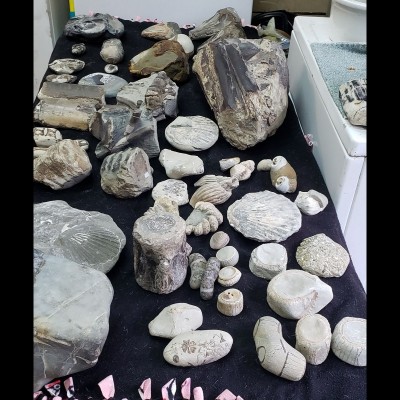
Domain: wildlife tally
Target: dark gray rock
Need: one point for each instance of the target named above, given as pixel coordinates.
(78, 49)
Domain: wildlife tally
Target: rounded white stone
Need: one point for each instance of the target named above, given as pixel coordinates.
(174, 189)
(228, 256)
(219, 240)
(268, 260)
(228, 276)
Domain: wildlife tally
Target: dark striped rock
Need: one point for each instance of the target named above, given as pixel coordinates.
(166, 55)
(71, 313)
(161, 31)
(93, 26)
(126, 174)
(245, 82)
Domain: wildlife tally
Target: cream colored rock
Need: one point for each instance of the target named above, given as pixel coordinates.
(228, 276)
(264, 165)
(219, 240)
(174, 189)
(230, 302)
(274, 353)
(204, 218)
(112, 51)
(313, 338)
(349, 341)
(227, 163)
(45, 137)
(198, 265)
(311, 202)
(40, 151)
(177, 165)
(213, 193)
(294, 293)
(228, 256)
(191, 349)
(176, 319)
(268, 260)
(243, 170)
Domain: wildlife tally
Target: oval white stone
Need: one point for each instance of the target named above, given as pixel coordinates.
(191, 349)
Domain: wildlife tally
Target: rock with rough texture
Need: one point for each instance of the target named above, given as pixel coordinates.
(321, 256)
(294, 293)
(192, 133)
(157, 93)
(191, 349)
(245, 82)
(93, 26)
(127, 173)
(166, 55)
(243, 170)
(40, 151)
(349, 341)
(78, 49)
(160, 252)
(66, 65)
(112, 84)
(313, 338)
(140, 131)
(111, 68)
(161, 31)
(268, 260)
(219, 240)
(112, 51)
(274, 353)
(204, 218)
(174, 189)
(264, 216)
(311, 202)
(209, 277)
(198, 266)
(212, 193)
(225, 23)
(227, 163)
(177, 165)
(176, 319)
(353, 96)
(62, 78)
(228, 183)
(71, 313)
(46, 137)
(230, 302)
(62, 166)
(89, 238)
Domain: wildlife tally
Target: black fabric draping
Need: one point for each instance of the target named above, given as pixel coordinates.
(130, 354)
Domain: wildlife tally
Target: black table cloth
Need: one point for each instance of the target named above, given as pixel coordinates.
(130, 354)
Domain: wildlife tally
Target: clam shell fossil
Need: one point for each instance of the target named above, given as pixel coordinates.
(228, 276)
(228, 256)
(226, 182)
(230, 302)
(205, 218)
(274, 353)
(192, 133)
(349, 341)
(227, 163)
(243, 170)
(313, 338)
(219, 240)
(321, 256)
(268, 260)
(264, 216)
(211, 192)
(311, 202)
(294, 293)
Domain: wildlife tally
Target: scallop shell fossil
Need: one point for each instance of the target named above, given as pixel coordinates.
(243, 170)
(264, 216)
(210, 192)
(226, 182)
(283, 176)
(311, 202)
(219, 240)
(227, 163)
(205, 218)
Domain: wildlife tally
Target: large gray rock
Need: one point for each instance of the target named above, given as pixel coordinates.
(245, 82)
(71, 312)
(89, 238)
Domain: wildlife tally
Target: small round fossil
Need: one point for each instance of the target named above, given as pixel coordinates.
(219, 240)
(230, 302)
(111, 68)
(228, 276)
(78, 49)
(228, 256)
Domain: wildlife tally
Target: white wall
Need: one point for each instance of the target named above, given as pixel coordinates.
(49, 18)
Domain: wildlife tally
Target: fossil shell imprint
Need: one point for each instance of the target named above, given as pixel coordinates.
(295, 293)
(211, 192)
(112, 51)
(313, 338)
(349, 341)
(226, 182)
(321, 256)
(218, 240)
(264, 216)
(230, 302)
(243, 170)
(268, 260)
(311, 202)
(192, 133)
(205, 218)
(274, 353)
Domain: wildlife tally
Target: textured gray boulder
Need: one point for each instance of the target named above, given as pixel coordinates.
(71, 313)
(245, 82)
(89, 238)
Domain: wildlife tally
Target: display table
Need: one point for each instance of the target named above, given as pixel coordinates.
(130, 354)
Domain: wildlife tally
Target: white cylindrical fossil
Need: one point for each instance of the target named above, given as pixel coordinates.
(313, 338)
(230, 302)
(274, 353)
(349, 341)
